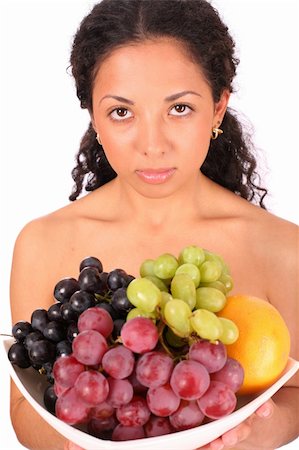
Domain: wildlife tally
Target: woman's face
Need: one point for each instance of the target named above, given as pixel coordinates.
(154, 112)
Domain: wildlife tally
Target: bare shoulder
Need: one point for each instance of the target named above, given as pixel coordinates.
(43, 255)
(276, 236)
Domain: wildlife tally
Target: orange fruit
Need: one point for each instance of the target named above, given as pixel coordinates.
(263, 345)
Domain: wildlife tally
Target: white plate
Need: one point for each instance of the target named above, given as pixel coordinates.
(32, 386)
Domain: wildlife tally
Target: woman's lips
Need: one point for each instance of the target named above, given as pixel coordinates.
(155, 176)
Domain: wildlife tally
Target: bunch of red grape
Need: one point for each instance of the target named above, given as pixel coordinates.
(135, 389)
(126, 356)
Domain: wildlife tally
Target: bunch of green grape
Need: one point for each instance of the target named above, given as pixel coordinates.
(185, 294)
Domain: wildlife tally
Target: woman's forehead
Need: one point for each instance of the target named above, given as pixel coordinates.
(155, 62)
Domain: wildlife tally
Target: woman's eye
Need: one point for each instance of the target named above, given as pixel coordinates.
(181, 110)
(120, 114)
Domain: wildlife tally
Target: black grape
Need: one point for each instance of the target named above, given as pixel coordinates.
(118, 324)
(42, 351)
(81, 300)
(72, 331)
(117, 278)
(39, 319)
(65, 288)
(120, 301)
(17, 354)
(54, 331)
(109, 308)
(48, 369)
(89, 280)
(32, 337)
(20, 330)
(67, 313)
(63, 348)
(54, 312)
(50, 399)
(91, 261)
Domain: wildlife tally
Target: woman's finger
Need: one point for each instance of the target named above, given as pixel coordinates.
(266, 410)
(71, 446)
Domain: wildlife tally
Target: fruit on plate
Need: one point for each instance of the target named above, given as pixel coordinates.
(139, 357)
(263, 345)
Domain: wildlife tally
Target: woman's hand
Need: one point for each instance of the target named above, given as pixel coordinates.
(71, 446)
(239, 434)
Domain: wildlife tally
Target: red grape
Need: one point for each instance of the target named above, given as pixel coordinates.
(92, 387)
(123, 433)
(89, 347)
(70, 408)
(58, 389)
(189, 380)
(96, 427)
(153, 369)
(212, 356)
(162, 401)
(66, 370)
(157, 426)
(231, 374)
(135, 413)
(188, 415)
(97, 319)
(139, 335)
(118, 362)
(218, 401)
(137, 386)
(120, 392)
(102, 411)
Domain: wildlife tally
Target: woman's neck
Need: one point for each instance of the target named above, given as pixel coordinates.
(184, 205)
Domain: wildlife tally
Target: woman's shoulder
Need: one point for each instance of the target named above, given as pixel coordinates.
(262, 229)
(67, 218)
(267, 230)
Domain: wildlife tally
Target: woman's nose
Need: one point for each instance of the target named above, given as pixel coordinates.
(153, 140)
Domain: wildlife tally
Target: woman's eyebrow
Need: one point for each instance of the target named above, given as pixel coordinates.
(180, 94)
(167, 99)
(119, 99)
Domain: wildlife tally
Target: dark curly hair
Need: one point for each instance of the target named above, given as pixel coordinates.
(230, 161)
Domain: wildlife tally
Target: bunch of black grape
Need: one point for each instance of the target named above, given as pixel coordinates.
(50, 333)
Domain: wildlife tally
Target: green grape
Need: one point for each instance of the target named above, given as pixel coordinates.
(209, 256)
(192, 270)
(137, 312)
(158, 282)
(173, 340)
(165, 266)
(165, 298)
(230, 331)
(182, 287)
(216, 285)
(210, 271)
(147, 268)
(144, 294)
(177, 314)
(227, 281)
(206, 324)
(167, 281)
(225, 268)
(192, 255)
(210, 298)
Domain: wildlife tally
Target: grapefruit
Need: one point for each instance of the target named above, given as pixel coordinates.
(263, 345)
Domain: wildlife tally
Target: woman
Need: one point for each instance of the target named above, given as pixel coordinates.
(167, 165)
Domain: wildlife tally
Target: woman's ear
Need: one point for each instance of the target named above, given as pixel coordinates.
(220, 107)
(92, 122)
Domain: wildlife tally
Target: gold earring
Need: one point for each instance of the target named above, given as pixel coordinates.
(215, 133)
(98, 139)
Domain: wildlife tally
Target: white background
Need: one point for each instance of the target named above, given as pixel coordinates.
(41, 121)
